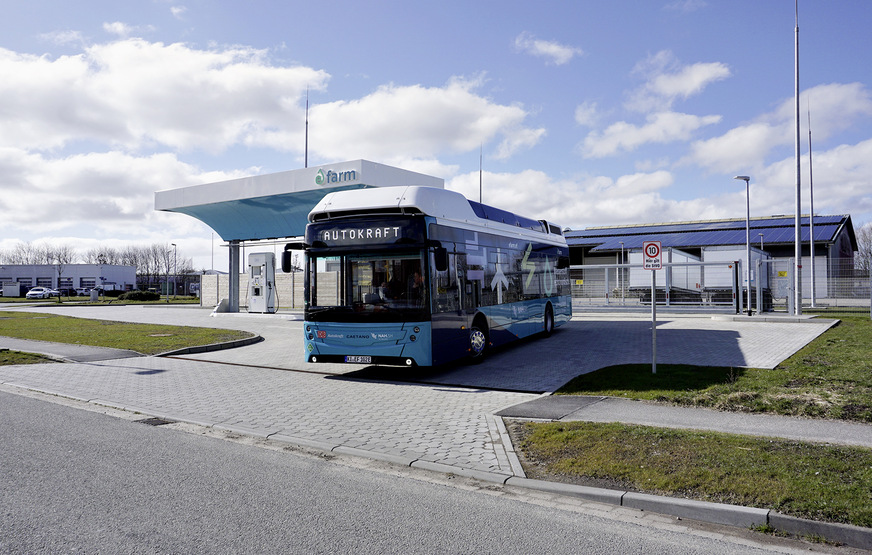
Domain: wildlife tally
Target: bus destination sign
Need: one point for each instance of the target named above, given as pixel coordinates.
(375, 232)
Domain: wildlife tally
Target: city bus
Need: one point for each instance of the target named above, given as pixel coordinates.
(421, 276)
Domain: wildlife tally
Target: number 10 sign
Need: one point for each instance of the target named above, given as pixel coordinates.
(652, 255)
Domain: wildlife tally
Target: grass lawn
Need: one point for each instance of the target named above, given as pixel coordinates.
(820, 482)
(829, 378)
(143, 338)
(86, 301)
(17, 357)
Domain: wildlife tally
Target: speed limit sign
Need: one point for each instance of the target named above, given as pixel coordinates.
(652, 255)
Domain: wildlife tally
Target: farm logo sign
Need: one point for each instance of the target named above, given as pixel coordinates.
(330, 176)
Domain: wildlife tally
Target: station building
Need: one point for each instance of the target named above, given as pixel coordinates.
(260, 209)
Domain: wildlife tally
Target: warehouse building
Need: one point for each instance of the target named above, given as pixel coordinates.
(66, 277)
(691, 246)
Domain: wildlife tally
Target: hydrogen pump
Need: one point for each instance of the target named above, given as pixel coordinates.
(262, 282)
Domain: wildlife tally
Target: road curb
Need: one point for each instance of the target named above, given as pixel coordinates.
(847, 534)
(705, 511)
(213, 347)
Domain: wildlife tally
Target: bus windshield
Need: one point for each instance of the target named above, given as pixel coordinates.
(385, 287)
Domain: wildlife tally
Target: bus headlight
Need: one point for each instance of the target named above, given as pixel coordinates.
(412, 338)
(417, 330)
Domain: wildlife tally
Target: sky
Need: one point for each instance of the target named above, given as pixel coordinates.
(584, 112)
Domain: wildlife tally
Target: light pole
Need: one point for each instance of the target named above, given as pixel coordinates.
(761, 241)
(175, 270)
(621, 271)
(747, 180)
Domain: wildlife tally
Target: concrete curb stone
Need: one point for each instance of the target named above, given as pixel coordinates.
(718, 513)
(848, 534)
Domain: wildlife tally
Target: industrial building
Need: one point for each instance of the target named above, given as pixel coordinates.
(695, 245)
(67, 277)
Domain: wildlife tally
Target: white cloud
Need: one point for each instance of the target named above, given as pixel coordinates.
(842, 182)
(587, 114)
(108, 191)
(134, 93)
(834, 107)
(686, 6)
(416, 122)
(668, 81)
(178, 11)
(124, 30)
(554, 52)
(64, 37)
(587, 200)
(663, 127)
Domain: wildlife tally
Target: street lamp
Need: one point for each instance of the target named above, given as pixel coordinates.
(175, 271)
(621, 271)
(747, 180)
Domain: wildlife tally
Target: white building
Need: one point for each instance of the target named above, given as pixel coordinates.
(69, 276)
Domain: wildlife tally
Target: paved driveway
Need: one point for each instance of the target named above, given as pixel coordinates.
(250, 390)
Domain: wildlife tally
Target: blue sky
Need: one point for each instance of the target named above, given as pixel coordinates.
(587, 112)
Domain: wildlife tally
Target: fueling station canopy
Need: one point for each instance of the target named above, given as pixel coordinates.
(276, 205)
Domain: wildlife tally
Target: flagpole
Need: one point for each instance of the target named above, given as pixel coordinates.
(811, 210)
(797, 288)
(306, 151)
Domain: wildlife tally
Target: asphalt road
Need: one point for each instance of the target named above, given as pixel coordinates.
(75, 480)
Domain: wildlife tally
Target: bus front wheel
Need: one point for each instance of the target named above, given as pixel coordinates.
(477, 342)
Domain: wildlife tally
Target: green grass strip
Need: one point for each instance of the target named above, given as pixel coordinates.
(820, 482)
(17, 357)
(148, 339)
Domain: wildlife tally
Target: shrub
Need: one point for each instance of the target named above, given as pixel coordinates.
(140, 296)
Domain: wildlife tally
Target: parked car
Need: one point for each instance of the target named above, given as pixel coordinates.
(39, 293)
(83, 291)
(54, 293)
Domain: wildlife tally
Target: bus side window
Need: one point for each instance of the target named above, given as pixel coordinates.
(446, 294)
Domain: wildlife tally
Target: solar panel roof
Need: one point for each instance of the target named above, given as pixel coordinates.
(703, 234)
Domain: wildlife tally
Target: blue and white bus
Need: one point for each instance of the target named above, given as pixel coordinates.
(420, 276)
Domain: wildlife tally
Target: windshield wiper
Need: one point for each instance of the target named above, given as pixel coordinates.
(319, 309)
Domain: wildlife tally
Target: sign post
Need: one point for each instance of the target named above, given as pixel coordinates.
(652, 259)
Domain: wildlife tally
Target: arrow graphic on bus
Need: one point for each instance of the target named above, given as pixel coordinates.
(499, 278)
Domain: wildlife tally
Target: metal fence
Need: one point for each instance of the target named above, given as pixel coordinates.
(715, 286)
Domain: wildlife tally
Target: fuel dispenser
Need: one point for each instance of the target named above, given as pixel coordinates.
(262, 282)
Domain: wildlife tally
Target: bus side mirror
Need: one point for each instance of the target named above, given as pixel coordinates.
(287, 255)
(440, 256)
(287, 261)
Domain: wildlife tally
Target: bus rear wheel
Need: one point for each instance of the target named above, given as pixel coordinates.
(548, 324)
(477, 342)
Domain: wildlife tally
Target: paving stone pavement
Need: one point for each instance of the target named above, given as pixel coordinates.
(249, 389)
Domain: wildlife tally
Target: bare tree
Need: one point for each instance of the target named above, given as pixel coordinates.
(62, 256)
(102, 255)
(23, 253)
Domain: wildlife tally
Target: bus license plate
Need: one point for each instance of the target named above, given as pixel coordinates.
(359, 359)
